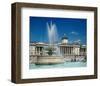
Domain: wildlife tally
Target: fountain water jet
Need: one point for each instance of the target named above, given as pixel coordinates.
(53, 37)
(55, 56)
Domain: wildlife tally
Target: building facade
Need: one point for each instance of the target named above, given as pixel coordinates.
(70, 51)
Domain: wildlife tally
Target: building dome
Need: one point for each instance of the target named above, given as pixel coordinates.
(64, 39)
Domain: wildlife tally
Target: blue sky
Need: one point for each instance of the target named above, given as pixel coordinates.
(75, 29)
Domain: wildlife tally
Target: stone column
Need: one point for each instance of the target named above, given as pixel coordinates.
(35, 50)
(62, 50)
(65, 50)
(77, 51)
(68, 50)
(39, 50)
(71, 50)
(43, 51)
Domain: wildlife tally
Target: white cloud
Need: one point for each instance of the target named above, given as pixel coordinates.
(77, 41)
(74, 33)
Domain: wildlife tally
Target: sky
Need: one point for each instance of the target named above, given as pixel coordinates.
(74, 28)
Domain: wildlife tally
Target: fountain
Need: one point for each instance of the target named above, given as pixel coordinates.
(54, 55)
(53, 37)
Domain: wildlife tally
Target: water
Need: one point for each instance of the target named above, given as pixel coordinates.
(53, 37)
(52, 33)
(63, 65)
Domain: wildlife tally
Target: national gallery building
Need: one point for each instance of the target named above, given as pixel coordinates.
(70, 51)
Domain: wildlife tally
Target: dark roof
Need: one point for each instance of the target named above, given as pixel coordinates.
(64, 37)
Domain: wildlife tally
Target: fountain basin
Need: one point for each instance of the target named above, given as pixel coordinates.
(50, 60)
